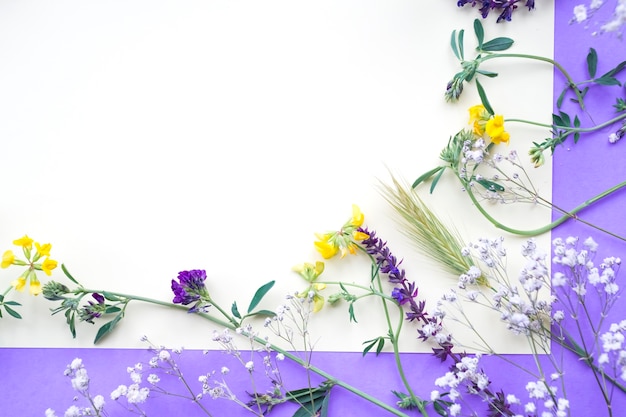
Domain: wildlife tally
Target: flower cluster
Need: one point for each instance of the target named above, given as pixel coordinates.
(343, 240)
(582, 13)
(34, 262)
(77, 372)
(485, 122)
(190, 288)
(504, 7)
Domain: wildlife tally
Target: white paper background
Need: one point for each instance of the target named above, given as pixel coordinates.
(142, 138)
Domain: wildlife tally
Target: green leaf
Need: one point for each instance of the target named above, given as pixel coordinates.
(617, 69)
(487, 73)
(70, 319)
(351, 312)
(235, 310)
(566, 119)
(497, 44)
(12, 312)
(483, 98)
(110, 296)
(107, 328)
(490, 185)
(461, 33)
(369, 347)
(12, 303)
(436, 180)
(576, 124)
(260, 313)
(112, 309)
(260, 293)
(426, 176)
(67, 274)
(604, 80)
(453, 45)
(480, 33)
(381, 345)
(592, 62)
(324, 408)
(559, 101)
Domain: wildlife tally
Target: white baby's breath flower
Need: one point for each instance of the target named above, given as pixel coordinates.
(580, 13)
(98, 402)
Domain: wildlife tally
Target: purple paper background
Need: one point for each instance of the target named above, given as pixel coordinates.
(32, 378)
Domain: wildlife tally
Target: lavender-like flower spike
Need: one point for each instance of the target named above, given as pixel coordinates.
(405, 291)
(190, 288)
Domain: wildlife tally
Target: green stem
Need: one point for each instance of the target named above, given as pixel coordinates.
(7, 291)
(534, 232)
(570, 81)
(229, 324)
(569, 128)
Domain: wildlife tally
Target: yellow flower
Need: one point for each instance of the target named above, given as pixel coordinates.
(48, 265)
(360, 235)
(318, 303)
(495, 130)
(309, 271)
(19, 283)
(43, 250)
(7, 259)
(25, 242)
(357, 216)
(35, 287)
(478, 118)
(325, 247)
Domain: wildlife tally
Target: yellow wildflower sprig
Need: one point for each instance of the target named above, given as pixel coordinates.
(342, 241)
(310, 272)
(38, 261)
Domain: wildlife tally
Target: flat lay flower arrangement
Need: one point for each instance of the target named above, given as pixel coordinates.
(564, 302)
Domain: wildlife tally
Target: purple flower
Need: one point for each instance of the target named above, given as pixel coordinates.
(93, 310)
(505, 7)
(190, 288)
(406, 292)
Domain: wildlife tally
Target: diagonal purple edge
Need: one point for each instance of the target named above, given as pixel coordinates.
(32, 379)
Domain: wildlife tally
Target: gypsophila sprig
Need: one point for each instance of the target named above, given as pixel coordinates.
(79, 377)
(584, 13)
